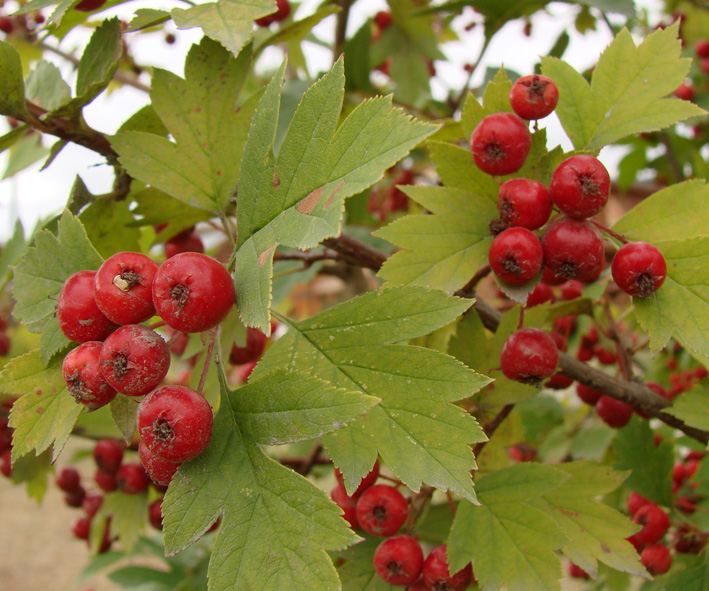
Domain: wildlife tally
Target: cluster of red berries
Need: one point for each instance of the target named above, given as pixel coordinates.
(701, 50)
(186, 241)
(382, 203)
(282, 12)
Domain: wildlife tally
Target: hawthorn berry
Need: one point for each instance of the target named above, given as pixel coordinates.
(123, 287)
(108, 455)
(78, 316)
(132, 479)
(500, 143)
(347, 503)
(684, 92)
(534, 96)
(542, 293)
(4, 344)
(282, 11)
(175, 246)
(7, 25)
(175, 423)
(105, 481)
(436, 575)
(134, 359)
(91, 504)
(6, 463)
(639, 269)
(613, 413)
(383, 19)
(577, 572)
(81, 370)
(81, 527)
(580, 186)
(89, 5)
(193, 292)
(636, 501)
(381, 510)
(160, 471)
(655, 524)
(155, 514)
(399, 560)
(656, 559)
(252, 350)
(701, 48)
(587, 394)
(573, 249)
(525, 203)
(76, 497)
(516, 256)
(529, 355)
(68, 479)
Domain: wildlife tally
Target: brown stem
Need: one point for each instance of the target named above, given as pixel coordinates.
(308, 257)
(624, 360)
(480, 274)
(310, 460)
(341, 28)
(492, 426)
(357, 253)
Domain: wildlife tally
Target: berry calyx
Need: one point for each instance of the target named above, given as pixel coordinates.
(399, 560)
(516, 256)
(436, 575)
(534, 96)
(639, 269)
(500, 143)
(613, 413)
(525, 203)
(580, 186)
(573, 249)
(175, 423)
(81, 370)
(381, 510)
(529, 355)
(78, 316)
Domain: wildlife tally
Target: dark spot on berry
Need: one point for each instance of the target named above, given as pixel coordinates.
(119, 366)
(590, 187)
(379, 512)
(644, 284)
(163, 430)
(181, 294)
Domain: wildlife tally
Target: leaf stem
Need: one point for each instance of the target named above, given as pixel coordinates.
(207, 359)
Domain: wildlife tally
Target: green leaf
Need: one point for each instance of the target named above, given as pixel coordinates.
(12, 86)
(457, 170)
(692, 408)
(129, 516)
(11, 251)
(230, 22)
(694, 578)
(357, 62)
(420, 435)
(275, 524)
(147, 17)
(45, 414)
(297, 199)
(46, 87)
(677, 210)
(650, 465)
(108, 225)
(24, 153)
(124, 411)
(596, 532)
(444, 249)
(680, 308)
(510, 540)
(34, 472)
(628, 90)
(201, 166)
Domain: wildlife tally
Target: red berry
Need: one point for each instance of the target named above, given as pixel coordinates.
(155, 514)
(436, 575)
(282, 11)
(82, 373)
(558, 382)
(534, 96)
(193, 292)
(679, 473)
(160, 471)
(580, 186)
(704, 65)
(636, 501)
(573, 249)
(76, 497)
(6, 25)
(542, 293)
(252, 350)
(639, 269)
(516, 256)
(132, 479)
(399, 560)
(6, 463)
(572, 290)
(500, 143)
(106, 482)
(381, 510)
(588, 395)
(91, 504)
(108, 455)
(123, 287)
(135, 359)
(688, 541)
(68, 479)
(684, 92)
(613, 413)
(4, 344)
(369, 479)
(89, 5)
(175, 423)
(383, 19)
(525, 203)
(78, 316)
(656, 559)
(655, 524)
(577, 572)
(701, 48)
(191, 243)
(529, 356)
(243, 373)
(347, 503)
(81, 527)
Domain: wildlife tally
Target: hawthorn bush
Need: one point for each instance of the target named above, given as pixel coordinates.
(509, 381)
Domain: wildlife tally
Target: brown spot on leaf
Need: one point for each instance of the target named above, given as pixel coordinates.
(605, 548)
(263, 257)
(40, 410)
(276, 180)
(39, 391)
(308, 204)
(331, 198)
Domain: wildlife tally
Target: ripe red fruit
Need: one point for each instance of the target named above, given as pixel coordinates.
(381, 510)
(369, 479)
(160, 471)
(516, 256)
(529, 356)
(383, 19)
(347, 503)
(6, 463)
(701, 48)
(436, 575)
(525, 203)
(175, 423)
(76, 497)
(68, 479)
(684, 92)
(123, 287)
(155, 514)
(89, 5)
(573, 249)
(282, 11)
(613, 413)
(252, 350)
(81, 527)
(4, 344)
(132, 479)
(639, 269)
(135, 359)
(534, 96)
(577, 572)
(7, 25)
(191, 243)
(500, 143)
(81, 370)
(655, 524)
(656, 559)
(193, 292)
(91, 504)
(108, 455)
(580, 186)
(542, 293)
(106, 482)
(636, 501)
(78, 316)
(243, 373)
(588, 395)
(399, 560)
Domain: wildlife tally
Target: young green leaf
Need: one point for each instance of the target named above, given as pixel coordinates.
(12, 86)
(11, 252)
(46, 87)
(124, 410)
(420, 435)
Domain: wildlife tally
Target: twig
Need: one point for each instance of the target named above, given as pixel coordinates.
(492, 426)
(455, 105)
(306, 465)
(671, 157)
(308, 257)
(341, 28)
(624, 360)
(208, 358)
(357, 253)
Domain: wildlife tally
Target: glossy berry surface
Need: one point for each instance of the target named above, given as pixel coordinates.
(369, 479)
(525, 203)
(636, 501)
(534, 96)
(282, 11)
(639, 269)
(132, 479)
(81, 370)
(613, 413)
(159, 471)
(655, 524)
(516, 256)
(175, 423)
(193, 292)
(580, 186)
(399, 560)
(252, 349)
(529, 355)
(436, 575)
(68, 479)
(123, 287)
(500, 143)
(573, 249)
(656, 559)
(135, 359)
(382, 510)
(78, 316)
(108, 455)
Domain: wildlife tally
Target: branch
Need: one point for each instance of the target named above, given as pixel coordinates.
(341, 28)
(492, 426)
(357, 253)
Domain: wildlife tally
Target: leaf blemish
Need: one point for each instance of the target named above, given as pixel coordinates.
(276, 180)
(263, 257)
(308, 204)
(331, 198)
